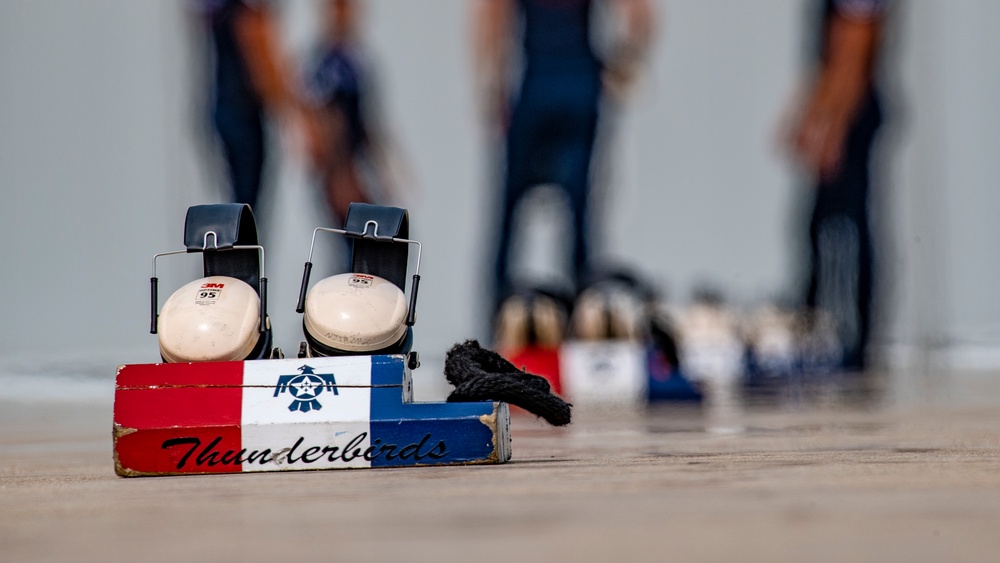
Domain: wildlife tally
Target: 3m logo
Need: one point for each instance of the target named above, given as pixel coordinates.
(208, 293)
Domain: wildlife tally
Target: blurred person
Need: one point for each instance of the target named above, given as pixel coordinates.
(354, 166)
(251, 80)
(548, 115)
(832, 136)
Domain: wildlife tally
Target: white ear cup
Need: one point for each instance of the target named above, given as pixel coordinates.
(213, 319)
(511, 329)
(525, 320)
(355, 313)
(550, 321)
(603, 313)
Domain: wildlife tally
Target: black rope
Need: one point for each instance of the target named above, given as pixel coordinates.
(479, 374)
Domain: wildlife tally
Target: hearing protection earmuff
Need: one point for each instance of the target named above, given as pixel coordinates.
(222, 316)
(364, 311)
(612, 306)
(533, 316)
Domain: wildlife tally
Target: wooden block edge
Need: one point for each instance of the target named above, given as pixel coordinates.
(499, 423)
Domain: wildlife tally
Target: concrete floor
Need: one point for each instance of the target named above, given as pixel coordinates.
(814, 476)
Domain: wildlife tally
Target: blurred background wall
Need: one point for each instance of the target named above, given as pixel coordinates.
(101, 154)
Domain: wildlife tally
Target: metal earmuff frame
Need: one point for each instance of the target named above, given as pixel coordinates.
(414, 284)
(261, 282)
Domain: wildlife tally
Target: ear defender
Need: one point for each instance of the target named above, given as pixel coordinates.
(531, 317)
(364, 311)
(355, 314)
(210, 319)
(223, 316)
(613, 306)
(607, 314)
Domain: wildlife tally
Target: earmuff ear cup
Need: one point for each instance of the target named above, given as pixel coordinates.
(549, 321)
(510, 331)
(317, 348)
(607, 312)
(530, 318)
(590, 317)
(356, 314)
(213, 319)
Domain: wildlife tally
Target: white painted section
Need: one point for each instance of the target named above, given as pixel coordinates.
(603, 372)
(281, 439)
(350, 403)
(268, 423)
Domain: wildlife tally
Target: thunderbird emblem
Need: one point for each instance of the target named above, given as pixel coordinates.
(305, 387)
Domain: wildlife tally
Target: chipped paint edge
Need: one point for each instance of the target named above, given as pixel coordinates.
(118, 431)
(499, 423)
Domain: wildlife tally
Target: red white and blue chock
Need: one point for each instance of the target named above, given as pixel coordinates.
(293, 414)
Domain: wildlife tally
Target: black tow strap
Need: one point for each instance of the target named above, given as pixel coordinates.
(479, 374)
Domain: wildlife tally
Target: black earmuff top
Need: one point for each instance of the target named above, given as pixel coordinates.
(233, 225)
(377, 255)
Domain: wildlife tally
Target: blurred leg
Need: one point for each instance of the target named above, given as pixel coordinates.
(242, 137)
(578, 152)
(842, 265)
(516, 181)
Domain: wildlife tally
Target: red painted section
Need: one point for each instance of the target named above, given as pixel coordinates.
(165, 395)
(158, 375)
(539, 361)
(167, 407)
(166, 401)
